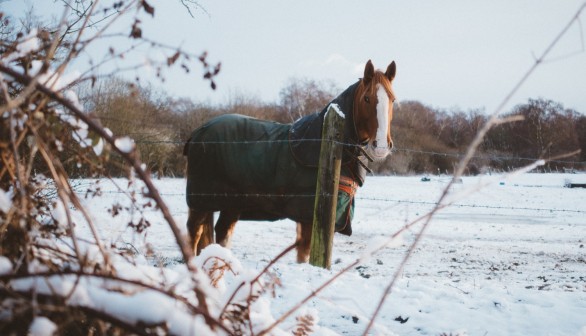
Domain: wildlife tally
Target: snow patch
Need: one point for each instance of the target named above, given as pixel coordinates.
(80, 133)
(18, 119)
(28, 44)
(338, 110)
(219, 265)
(42, 326)
(35, 266)
(59, 213)
(5, 266)
(73, 99)
(5, 201)
(51, 79)
(124, 144)
(378, 243)
(99, 147)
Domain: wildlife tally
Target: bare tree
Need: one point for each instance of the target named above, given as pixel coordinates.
(300, 97)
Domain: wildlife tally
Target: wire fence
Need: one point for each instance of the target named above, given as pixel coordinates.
(360, 197)
(455, 155)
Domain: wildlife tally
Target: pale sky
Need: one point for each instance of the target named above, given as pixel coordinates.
(450, 53)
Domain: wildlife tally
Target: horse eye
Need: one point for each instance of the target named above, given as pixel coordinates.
(367, 99)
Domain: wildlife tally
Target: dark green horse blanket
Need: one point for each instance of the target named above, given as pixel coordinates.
(241, 163)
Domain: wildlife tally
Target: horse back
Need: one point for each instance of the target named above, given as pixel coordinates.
(235, 160)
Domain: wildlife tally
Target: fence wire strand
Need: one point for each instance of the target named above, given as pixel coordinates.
(363, 198)
(455, 155)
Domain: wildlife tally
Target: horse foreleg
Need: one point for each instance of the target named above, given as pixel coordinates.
(200, 225)
(303, 241)
(225, 227)
(207, 234)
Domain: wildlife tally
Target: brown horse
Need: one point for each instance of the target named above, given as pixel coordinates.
(250, 169)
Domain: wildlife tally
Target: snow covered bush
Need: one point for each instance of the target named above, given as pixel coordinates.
(55, 280)
(51, 279)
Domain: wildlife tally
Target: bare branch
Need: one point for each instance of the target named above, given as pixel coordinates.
(469, 154)
(129, 157)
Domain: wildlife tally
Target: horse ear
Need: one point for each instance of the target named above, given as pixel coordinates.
(368, 71)
(391, 71)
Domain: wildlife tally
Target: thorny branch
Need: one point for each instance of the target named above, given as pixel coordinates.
(130, 157)
(31, 100)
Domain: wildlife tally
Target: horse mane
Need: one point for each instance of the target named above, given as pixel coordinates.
(378, 78)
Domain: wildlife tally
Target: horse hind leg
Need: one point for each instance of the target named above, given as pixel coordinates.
(225, 227)
(303, 242)
(200, 226)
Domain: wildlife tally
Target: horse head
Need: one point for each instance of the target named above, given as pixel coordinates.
(373, 110)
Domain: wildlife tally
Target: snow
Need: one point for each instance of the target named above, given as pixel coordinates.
(338, 110)
(71, 96)
(378, 243)
(26, 45)
(29, 43)
(80, 131)
(50, 78)
(5, 266)
(5, 201)
(42, 326)
(507, 258)
(59, 213)
(18, 120)
(99, 147)
(124, 144)
(53, 80)
(218, 263)
(140, 305)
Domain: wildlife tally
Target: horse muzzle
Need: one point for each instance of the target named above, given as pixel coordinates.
(379, 153)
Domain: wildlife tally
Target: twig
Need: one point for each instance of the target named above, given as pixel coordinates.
(464, 162)
(61, 190)
(128, 157)
(267, 267)
(186, 3)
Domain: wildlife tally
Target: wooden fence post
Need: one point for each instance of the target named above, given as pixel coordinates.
(326, 194)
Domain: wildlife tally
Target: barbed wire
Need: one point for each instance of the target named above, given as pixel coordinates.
(499, 157)
(468, 205)
(409, 150)
(358, 197)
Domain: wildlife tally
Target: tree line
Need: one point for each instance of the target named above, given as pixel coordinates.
(428, 140)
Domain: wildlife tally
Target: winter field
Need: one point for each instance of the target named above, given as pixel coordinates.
(508, 259)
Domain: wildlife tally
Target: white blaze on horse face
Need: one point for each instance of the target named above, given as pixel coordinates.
(381, 150)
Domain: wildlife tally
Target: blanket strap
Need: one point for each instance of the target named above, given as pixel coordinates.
(347, 185)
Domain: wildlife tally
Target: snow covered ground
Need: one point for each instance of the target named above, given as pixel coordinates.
(509, 259)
